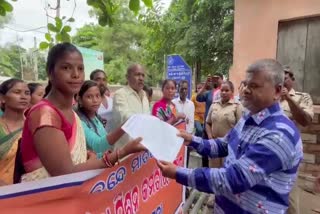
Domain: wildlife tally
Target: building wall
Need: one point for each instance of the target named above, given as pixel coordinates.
(256, 29)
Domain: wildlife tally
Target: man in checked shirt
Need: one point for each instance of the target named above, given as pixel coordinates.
(262, 151)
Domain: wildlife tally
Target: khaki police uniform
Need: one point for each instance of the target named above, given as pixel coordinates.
(222, 118)
(305, 102)
(302, 99)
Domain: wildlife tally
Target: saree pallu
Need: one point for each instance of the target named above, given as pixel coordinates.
(8, 150)
(163, 110)
(78, 153)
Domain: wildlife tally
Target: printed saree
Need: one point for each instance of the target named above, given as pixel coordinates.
(163, 110)
(8, 150)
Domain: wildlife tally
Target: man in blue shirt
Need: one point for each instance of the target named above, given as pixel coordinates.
(262, 151)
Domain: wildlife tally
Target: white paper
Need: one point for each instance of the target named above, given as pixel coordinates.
(159, 137)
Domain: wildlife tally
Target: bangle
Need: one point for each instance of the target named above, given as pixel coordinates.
(106, 160)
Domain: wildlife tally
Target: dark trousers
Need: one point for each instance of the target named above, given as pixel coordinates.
(198, 133)
(205, 160)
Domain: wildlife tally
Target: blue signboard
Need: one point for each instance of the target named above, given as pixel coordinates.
(178, 69)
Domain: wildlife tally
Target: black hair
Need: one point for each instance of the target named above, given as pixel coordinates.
(200, 83)
(7, 85)
(80, 110)
(290, 75)
(93, 73)
(56, 53)
(103, 89)
(219, 75)
(183, 82)
(33, 87)
(148, 90)
(229, 83)
(86, 86)
(166, 81)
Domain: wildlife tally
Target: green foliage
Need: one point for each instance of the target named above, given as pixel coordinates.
(89, 36)
(42, 73)
(200, 31)
(120, 43)
(5, 7)
(5, 19)
(14, 57)
(116, 70)
(106, 10)
(10, 64)
(57, 32)
(148, 3)
(134, 5)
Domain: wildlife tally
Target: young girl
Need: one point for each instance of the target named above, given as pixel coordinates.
(53, 141)
(164, 108)
(37, 92)
(89, 100)
(15, 97)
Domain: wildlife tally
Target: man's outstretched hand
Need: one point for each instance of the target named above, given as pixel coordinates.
(168, 169)
(186, 136)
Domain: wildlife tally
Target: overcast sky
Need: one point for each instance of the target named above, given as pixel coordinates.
(30, 14)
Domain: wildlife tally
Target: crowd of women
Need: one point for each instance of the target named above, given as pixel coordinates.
(64, 127)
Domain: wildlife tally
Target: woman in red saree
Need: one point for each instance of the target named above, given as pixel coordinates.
(53, 141)
(164, 109)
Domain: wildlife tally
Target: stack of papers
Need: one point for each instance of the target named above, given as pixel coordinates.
(159, 137)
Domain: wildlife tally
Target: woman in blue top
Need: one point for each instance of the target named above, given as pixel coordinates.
(89, 101)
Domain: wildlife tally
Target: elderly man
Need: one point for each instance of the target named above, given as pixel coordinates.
(262, 151)
(298, 107)
(130, 99)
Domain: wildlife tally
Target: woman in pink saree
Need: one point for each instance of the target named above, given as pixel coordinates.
(53, 142)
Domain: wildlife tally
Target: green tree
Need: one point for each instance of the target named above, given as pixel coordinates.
(105, 10)
(42, 73)
(201, 31)
(120, 43)
(10, 60)
(4, 20)
(5, 7)
(89, 36)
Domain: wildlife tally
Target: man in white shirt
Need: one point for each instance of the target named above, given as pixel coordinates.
(186, 106)
(130, 100)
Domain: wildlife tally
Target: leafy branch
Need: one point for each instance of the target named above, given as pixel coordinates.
(57, 32)
(5, 7)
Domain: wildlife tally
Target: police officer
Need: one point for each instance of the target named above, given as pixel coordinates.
(223, 116)
(297, 106)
